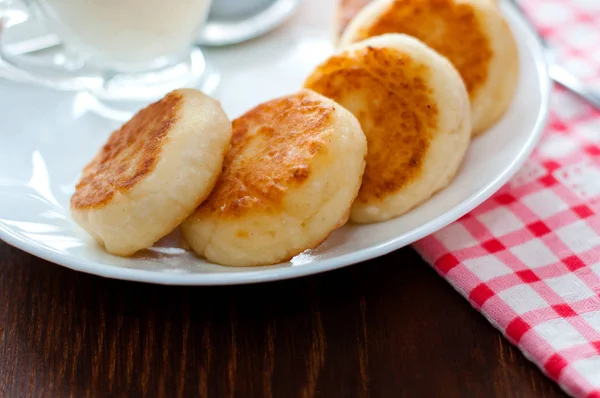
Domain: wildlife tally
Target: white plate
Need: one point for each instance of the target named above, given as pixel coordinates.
(46, 137)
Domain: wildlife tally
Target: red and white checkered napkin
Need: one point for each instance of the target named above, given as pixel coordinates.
(529, 258)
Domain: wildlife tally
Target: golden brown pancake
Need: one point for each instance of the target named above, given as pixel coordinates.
(449, 27)
(471, 33)
(412, 107)
(289, 179)
(152, 172)
(388, 92)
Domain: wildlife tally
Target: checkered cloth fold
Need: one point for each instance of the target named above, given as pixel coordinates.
(529, 258)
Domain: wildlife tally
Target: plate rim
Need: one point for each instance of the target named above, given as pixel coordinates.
(273, 274)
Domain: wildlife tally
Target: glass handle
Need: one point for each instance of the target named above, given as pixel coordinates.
(18, 69)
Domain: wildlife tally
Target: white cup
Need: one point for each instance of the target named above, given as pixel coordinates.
(119, 50)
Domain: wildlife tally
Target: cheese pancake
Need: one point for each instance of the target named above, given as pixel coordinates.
(292, 173)
(472, 34)
(414, 110)
(153, 172)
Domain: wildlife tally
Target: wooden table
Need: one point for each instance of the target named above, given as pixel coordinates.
(386, 328)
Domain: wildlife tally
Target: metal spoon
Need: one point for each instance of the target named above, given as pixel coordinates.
(557, 72)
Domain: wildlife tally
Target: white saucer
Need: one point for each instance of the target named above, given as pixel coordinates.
(220, 31)
(46, 137)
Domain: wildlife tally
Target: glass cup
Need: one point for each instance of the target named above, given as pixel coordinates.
(120, 51)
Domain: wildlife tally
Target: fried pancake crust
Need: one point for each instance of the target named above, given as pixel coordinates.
(129, 155)
(272, 149)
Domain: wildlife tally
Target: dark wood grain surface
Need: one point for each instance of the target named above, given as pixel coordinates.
(386, 328)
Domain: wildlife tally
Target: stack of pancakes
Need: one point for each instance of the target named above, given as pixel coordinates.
(378, 128)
